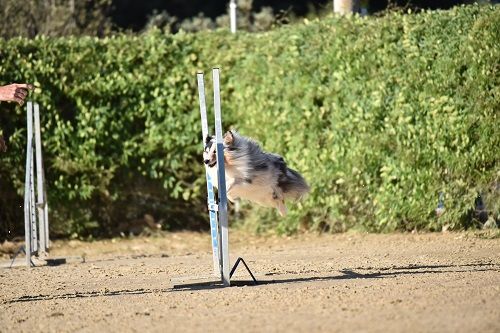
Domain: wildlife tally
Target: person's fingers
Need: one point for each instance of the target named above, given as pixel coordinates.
(19, 101)
(19, 96)
(27, 86)
(21, 92)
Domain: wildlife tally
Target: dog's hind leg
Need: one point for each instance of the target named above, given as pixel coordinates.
(279, 201)
(282, 208)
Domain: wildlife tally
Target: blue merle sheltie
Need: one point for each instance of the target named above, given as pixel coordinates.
(253, 174)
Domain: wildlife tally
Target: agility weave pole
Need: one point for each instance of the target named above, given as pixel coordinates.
(35, 245)
(36, 229)
(212, 206)
(217, 210)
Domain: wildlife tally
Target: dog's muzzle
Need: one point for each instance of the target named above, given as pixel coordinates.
(211, 165)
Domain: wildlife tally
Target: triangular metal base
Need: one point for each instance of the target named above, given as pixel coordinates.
(210, 282)
(246, 266)
(18, 252)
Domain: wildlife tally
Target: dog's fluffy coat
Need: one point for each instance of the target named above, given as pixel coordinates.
(253, 174)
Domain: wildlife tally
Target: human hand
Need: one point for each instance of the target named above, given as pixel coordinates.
(15, 92)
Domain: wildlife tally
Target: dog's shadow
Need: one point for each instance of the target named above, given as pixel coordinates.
(346, 274)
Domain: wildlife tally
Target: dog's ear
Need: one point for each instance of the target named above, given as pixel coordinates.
(208, 139)
(228, 138)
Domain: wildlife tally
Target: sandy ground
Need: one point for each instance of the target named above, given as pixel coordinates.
(331, 283)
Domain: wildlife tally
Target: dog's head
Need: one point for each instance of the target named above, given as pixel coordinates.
(209, 153)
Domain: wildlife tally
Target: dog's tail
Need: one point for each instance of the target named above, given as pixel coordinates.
(293, 185)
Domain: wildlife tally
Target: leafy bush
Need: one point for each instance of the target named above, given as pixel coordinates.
(380, 114)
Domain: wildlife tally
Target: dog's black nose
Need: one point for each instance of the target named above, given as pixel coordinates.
(206, 161)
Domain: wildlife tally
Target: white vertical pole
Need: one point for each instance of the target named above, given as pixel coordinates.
(232, 15)
(223, 220)
(203, 106)
(45, 211)
(40, 184)
(34, 234)
(27, 181)
(214, 228)
(344, 7)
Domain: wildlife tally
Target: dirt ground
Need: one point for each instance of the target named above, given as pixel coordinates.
(350, 282)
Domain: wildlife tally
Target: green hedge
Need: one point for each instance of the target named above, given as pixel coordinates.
(380, 114)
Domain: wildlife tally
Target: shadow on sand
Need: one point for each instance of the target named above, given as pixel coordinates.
(348, 274)
(345, 274)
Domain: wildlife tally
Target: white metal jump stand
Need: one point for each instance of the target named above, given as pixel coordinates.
(35, 245)
(217, 210)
